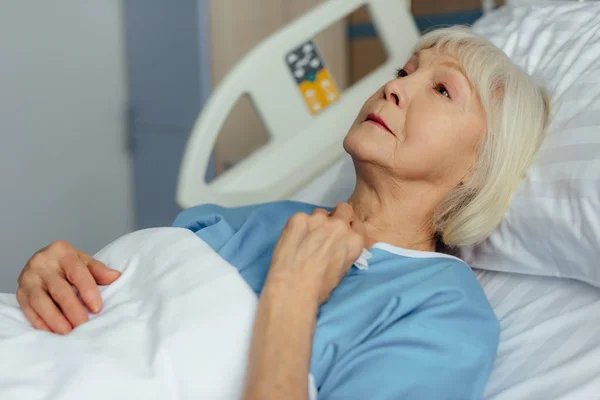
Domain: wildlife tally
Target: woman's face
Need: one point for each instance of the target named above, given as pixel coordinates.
(424, 125)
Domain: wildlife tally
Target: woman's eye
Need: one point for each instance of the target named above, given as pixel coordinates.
(401, 73)
(442, 90)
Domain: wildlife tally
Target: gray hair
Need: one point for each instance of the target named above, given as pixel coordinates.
(517, 111)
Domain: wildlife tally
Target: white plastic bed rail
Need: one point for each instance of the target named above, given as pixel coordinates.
(301, 146)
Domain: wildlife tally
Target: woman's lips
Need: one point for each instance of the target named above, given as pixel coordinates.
(377, 120)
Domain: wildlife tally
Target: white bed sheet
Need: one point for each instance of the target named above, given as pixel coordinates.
(550, 338)
(176, 325)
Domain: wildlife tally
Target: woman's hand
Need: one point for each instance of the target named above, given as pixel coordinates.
(315, 251)
(45, 293)
(313, 254)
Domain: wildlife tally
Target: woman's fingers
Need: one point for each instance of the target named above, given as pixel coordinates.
(101, 273)
(318, 217)
(320, 211)
(77, 273)
(43, 305)
(295, 229)
(30, 314)
(315, 251)
(64, 296)
(356, 243)
(356, 233)
(359, 227)
(343, 211)
(46, 290)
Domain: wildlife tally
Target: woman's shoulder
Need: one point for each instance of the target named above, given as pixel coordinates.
(455, 300)
(446, 276)
(442, 288)
(434, 304)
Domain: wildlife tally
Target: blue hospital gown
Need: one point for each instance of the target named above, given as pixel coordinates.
(414, 325)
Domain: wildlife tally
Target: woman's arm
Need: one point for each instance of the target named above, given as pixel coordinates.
(311, 257)
(281, 345)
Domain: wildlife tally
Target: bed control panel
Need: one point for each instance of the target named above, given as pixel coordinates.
(312, 77)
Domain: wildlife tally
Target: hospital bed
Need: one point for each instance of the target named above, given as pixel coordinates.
(550, 340)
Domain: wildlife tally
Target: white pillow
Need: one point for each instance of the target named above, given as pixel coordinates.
(552, 226)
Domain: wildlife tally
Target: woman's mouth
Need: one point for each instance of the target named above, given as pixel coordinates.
(377, 120)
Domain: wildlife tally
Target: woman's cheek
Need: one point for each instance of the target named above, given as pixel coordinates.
(426, 127)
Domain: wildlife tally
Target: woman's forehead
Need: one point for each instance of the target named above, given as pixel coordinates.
(443, 58)
(436, 54)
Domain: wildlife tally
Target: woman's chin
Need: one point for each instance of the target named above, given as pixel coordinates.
(366, 149)
(366, 157)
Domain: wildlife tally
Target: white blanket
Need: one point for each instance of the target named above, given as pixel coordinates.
(176, 325)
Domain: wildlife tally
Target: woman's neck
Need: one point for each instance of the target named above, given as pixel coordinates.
(400, 215)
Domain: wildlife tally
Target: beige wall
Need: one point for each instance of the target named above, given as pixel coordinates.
(236, 27)
(64, 168)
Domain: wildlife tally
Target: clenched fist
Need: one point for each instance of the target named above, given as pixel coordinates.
(316, 251)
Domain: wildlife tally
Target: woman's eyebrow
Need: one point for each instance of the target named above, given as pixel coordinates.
(458, 70)
(451, 66)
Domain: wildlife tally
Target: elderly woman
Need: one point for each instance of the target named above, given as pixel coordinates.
(438, 151)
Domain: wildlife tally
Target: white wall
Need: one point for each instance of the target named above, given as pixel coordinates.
(64, 167)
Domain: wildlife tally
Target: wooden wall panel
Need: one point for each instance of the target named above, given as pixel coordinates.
(426, 7)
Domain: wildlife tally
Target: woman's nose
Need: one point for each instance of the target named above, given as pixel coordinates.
(395, 93)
